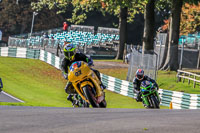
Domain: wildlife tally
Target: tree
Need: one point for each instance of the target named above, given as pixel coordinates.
(190, 18)
(124, 9)
(171, 60)
(11, 19)
(148, 36)
(17, 18)
(128, 9)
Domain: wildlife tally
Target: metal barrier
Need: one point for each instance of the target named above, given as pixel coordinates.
(187, 75)
(190, 41)
(86, 41)
(39, 33)
(82, 28)
(105, 30)
(147, 62)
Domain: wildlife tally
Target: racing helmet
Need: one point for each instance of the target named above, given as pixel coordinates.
(139, 74)
(69, 51)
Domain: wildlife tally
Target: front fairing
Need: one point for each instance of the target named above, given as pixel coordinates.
(147, 88)
(79, 73)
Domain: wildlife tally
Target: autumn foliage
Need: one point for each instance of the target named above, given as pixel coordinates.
(190, 19)
(166, 25)
(103, 5)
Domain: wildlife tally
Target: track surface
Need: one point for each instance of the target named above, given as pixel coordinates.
(74, 120)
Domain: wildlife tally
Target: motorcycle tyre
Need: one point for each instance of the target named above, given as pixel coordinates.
(103, 104)
(148, 104)
(90, 96)
(155, 102)
(85, 104)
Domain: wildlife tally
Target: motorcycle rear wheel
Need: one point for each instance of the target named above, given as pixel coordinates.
(90, 96)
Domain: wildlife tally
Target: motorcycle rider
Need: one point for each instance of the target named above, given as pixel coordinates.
(71, 56)
(139, 77)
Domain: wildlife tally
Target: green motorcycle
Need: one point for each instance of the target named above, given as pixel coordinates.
(79, 102)
(150, 96)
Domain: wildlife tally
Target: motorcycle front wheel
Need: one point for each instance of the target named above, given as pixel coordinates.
(155, 102)
(90, 96)
(103, 104)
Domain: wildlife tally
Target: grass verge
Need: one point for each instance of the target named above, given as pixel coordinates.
(40, 84)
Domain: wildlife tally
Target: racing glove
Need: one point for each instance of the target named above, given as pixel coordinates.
(65, 75)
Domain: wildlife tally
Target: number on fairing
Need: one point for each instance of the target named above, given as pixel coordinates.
(78, 73)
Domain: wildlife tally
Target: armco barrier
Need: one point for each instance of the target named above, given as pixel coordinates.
(20, 52)
(180, 100)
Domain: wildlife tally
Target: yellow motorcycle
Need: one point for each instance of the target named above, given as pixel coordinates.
(87, 84)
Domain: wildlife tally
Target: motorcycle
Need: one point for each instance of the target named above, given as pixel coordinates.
(150, 95)
(79, 102)
(87, 84)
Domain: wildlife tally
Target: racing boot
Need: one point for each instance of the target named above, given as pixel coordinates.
(138, 97)
(102, 86)
(70, 98)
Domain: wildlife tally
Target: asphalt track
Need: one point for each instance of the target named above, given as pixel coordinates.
(14, 119)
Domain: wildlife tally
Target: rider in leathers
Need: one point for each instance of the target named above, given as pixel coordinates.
(70, 57)
(139, 77)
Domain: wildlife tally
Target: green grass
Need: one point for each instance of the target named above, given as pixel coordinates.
(40, 84)
(168, 80)
(115, 72)
(33, 81)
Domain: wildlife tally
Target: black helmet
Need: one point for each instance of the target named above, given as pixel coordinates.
(139, 74)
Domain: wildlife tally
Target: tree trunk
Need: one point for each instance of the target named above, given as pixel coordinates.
(166, 48)
(165, 51)
(148, 36)
(125, 52)
(123, 32)
(171, 62)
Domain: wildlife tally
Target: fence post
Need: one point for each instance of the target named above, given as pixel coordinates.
(178, 78)
(194, 81)
(159, 53)
(189, 80)
(85, 48)
(198, 61)
(184, 78)
(181, 60)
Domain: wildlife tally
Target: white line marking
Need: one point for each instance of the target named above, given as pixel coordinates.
(12, 97)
